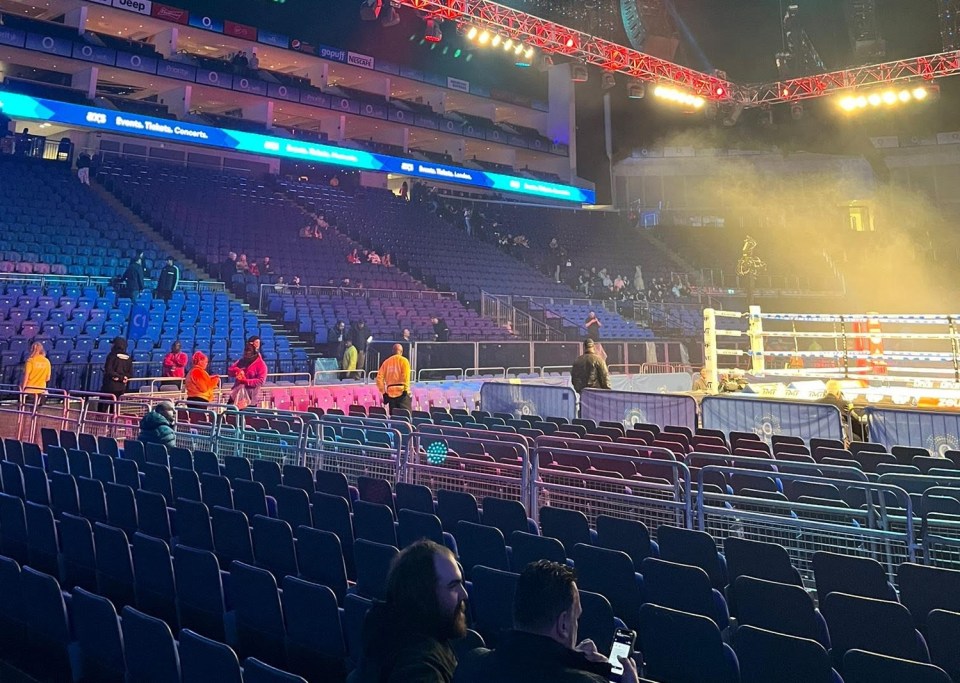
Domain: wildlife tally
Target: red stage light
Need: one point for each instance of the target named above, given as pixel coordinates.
(720, 91)
(570, 42)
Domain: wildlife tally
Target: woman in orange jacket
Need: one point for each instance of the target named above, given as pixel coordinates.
(201, 385)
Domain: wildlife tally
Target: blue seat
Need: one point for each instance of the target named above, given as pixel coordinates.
(506, 515)
(626, 535)
(297, 476)
(156, 454)
(114, 565)
(154, 585)
(267, 472)
(200, 601)
(373, 565)
(273, 547)
(684, 647)
(780, 607)
(63, 494)
(93, 502)
(12, 612)
(231, 536)
(314, 635)
(13, 450)
(479, 544)
(78, 556)
(374, 522)
(769, 656)
(97, 630)
(42, 539)
(101, 467)
(570, 527)
(127, 473)
(456, 506)
(121, 507)
(152, 514)
(79, 463)
(193, 525)
(610, 573)
(333, 484)
(695, 548)
(880, 626)
(332, 513)
(835, 573)
(257, 613)
(684, 588)
(215, 491)
(47, 634)
(375, 490)
(924, 589)
(149, 649)
(320, 560)
(255, 671)
(35, 485)
(355, 609)
(250, 498)
(870, 667)
(14, 540)
(413, 526)
(181, 458)
(156, 479)
(12, 476)
(205, 462)
(414, 497)
(185, 484)
(56, 460)
(203, 660)
(236, 467)
(597, 621)
(293, 506)
(491, 602)
(526, 548)
(943, 632)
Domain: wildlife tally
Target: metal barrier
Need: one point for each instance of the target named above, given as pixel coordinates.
(445, 459)
(256, 433)
(440, 371)
(198, 426)
(23, 414)
(355, 458)
(940, 532)
(653, 501)
(882, 528)
(104, 415)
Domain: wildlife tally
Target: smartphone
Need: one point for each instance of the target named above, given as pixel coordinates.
(623, 641)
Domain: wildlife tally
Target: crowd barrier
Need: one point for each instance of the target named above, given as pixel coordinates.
(937, 432)
(653, 382)
(528, 399)
(630, 407)
(767, 418)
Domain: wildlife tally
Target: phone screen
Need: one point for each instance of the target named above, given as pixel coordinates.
(619, 650)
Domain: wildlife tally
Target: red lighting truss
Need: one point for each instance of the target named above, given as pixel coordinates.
(916, 68)
(549, 36)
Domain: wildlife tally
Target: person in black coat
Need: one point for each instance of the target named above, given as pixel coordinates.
(167, 280)
(361, 336)
(543, 647)
(337, 339)
(134, 277)
(117, 370)
(441, 331)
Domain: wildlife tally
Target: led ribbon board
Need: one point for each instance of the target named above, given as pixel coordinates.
(25, 107)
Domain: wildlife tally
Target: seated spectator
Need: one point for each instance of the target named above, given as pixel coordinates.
(407, 638)
(374, 258)
(306, 231)
(353, 257)
(266, 268)
(387, 260)
(157, 425)
(279, 285)
(254, 269)
(242, 265)
(543, 647)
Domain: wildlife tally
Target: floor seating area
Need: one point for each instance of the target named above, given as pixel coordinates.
(275, 567)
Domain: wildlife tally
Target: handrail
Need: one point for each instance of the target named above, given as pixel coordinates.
(102, 282)
(500, 308)
(363, 292)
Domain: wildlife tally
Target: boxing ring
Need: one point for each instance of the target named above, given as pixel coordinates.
(904, 360)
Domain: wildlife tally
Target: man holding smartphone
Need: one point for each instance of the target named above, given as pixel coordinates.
(543, 647)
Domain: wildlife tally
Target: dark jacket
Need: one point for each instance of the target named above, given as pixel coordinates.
(117, 366)
(358, 334)
(133, 277)
(155, 428)
(527, 658)
(441, 330)
(589, 372)
(168, 279)
(396, 652)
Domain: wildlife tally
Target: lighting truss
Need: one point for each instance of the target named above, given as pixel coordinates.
(917, 68)
(548, 36)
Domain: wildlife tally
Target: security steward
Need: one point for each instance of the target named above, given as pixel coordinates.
(393, 381)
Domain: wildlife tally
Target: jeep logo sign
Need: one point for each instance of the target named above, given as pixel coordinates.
(138, 6)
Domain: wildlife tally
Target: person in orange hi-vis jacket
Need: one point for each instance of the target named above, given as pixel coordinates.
(393, 381)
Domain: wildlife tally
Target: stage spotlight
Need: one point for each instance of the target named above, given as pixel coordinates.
(496, 40)
(848, 103)
(433, 34)
(796, 111)
(484, 38)
(508, 45)
(874, 99)
(720, 91)
(904, 96)
(518, 49)
(529, 53)
(569, 42)
(544, 63)
(636, 91)
(890, 97)
(608, 81)
(472, 33)
(919, 93)
(370, 9)
(579, 73)
(391, 17)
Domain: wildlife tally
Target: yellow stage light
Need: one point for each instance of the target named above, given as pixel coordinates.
(889, 97)
(496, 40)
(509, 44)
(904, 96)
(484, 38)
(874, 99)
(848, 103)
(920, 93)
(472, 33)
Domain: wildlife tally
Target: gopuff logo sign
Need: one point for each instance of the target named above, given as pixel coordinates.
(96, 117)
(333, 54)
